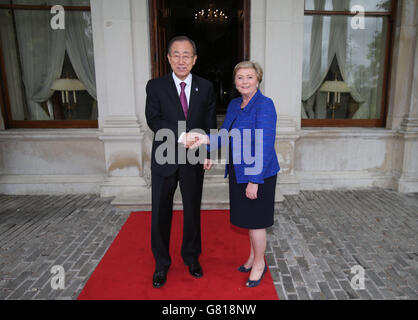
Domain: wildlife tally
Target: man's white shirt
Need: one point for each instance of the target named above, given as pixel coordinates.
(187, 91)
(188, 87)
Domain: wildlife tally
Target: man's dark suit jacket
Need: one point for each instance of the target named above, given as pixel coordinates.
(163, 110)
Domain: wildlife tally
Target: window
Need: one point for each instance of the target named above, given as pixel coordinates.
(47, 69)
(346, 62)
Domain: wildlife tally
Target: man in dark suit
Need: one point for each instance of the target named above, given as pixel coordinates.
(178, 96)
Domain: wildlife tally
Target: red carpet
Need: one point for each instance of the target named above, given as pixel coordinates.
(125, 272)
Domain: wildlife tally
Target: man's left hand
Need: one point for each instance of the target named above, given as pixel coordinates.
(207, 165)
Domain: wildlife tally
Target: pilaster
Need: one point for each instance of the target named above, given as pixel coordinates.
(121, 131)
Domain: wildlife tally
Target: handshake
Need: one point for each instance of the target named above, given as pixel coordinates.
(194, 140)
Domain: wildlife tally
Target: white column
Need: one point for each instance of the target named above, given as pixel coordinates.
(403, 106)
(410, 122)
(277, 44)
(258, 34)
(284, 59)
(122, 133)
(403, 56)
(141, 52)
(142, 68)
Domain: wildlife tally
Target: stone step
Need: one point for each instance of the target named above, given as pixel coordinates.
(215, 197)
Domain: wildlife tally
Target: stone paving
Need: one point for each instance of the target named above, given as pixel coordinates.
(317, 239)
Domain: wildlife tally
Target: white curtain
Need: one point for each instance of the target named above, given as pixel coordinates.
(314, 70)
(79, 44)
(369, 5)
(359, 56)
(14, 80)
(339, 44)
(364, 67)
(42, 52)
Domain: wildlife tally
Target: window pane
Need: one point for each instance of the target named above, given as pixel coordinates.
(346, 5)
(50, 71)
(12, 66)
(48, 2)
(343, 68)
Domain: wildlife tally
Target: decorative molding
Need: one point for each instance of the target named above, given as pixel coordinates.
(410, 124)
(344, 133)
(123, 137)
(121, 121)
(286, 124)
(50, 134)
(50, 184)
(327, 180)
(124, 182)
(121, 126)
(51, 178)
(407, 184)
(117, 186)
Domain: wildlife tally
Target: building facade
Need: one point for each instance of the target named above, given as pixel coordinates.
(108, 151)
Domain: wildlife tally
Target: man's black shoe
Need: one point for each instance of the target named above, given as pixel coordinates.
(159, 279)
(195, 270)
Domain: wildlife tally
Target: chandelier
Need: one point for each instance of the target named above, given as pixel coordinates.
(210, 15)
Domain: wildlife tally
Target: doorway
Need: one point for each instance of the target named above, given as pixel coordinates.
(220, 29)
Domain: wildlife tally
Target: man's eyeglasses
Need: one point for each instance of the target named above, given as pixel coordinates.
(184, 58)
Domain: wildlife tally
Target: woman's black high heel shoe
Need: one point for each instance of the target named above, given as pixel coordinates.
(255, 283)
(243, 269)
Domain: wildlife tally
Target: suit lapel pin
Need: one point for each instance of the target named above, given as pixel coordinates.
(197, 89)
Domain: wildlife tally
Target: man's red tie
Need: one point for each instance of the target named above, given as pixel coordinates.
(183, 98)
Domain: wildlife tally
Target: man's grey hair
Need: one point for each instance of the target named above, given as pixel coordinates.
(182, 38)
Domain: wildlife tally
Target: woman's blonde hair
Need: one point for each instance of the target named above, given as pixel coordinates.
(250, 65)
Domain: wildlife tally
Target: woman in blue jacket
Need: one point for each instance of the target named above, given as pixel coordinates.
(250, 123)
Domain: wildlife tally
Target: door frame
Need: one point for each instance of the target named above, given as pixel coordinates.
(155, 42)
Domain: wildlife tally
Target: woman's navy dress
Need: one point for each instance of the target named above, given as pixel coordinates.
(247, 213)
